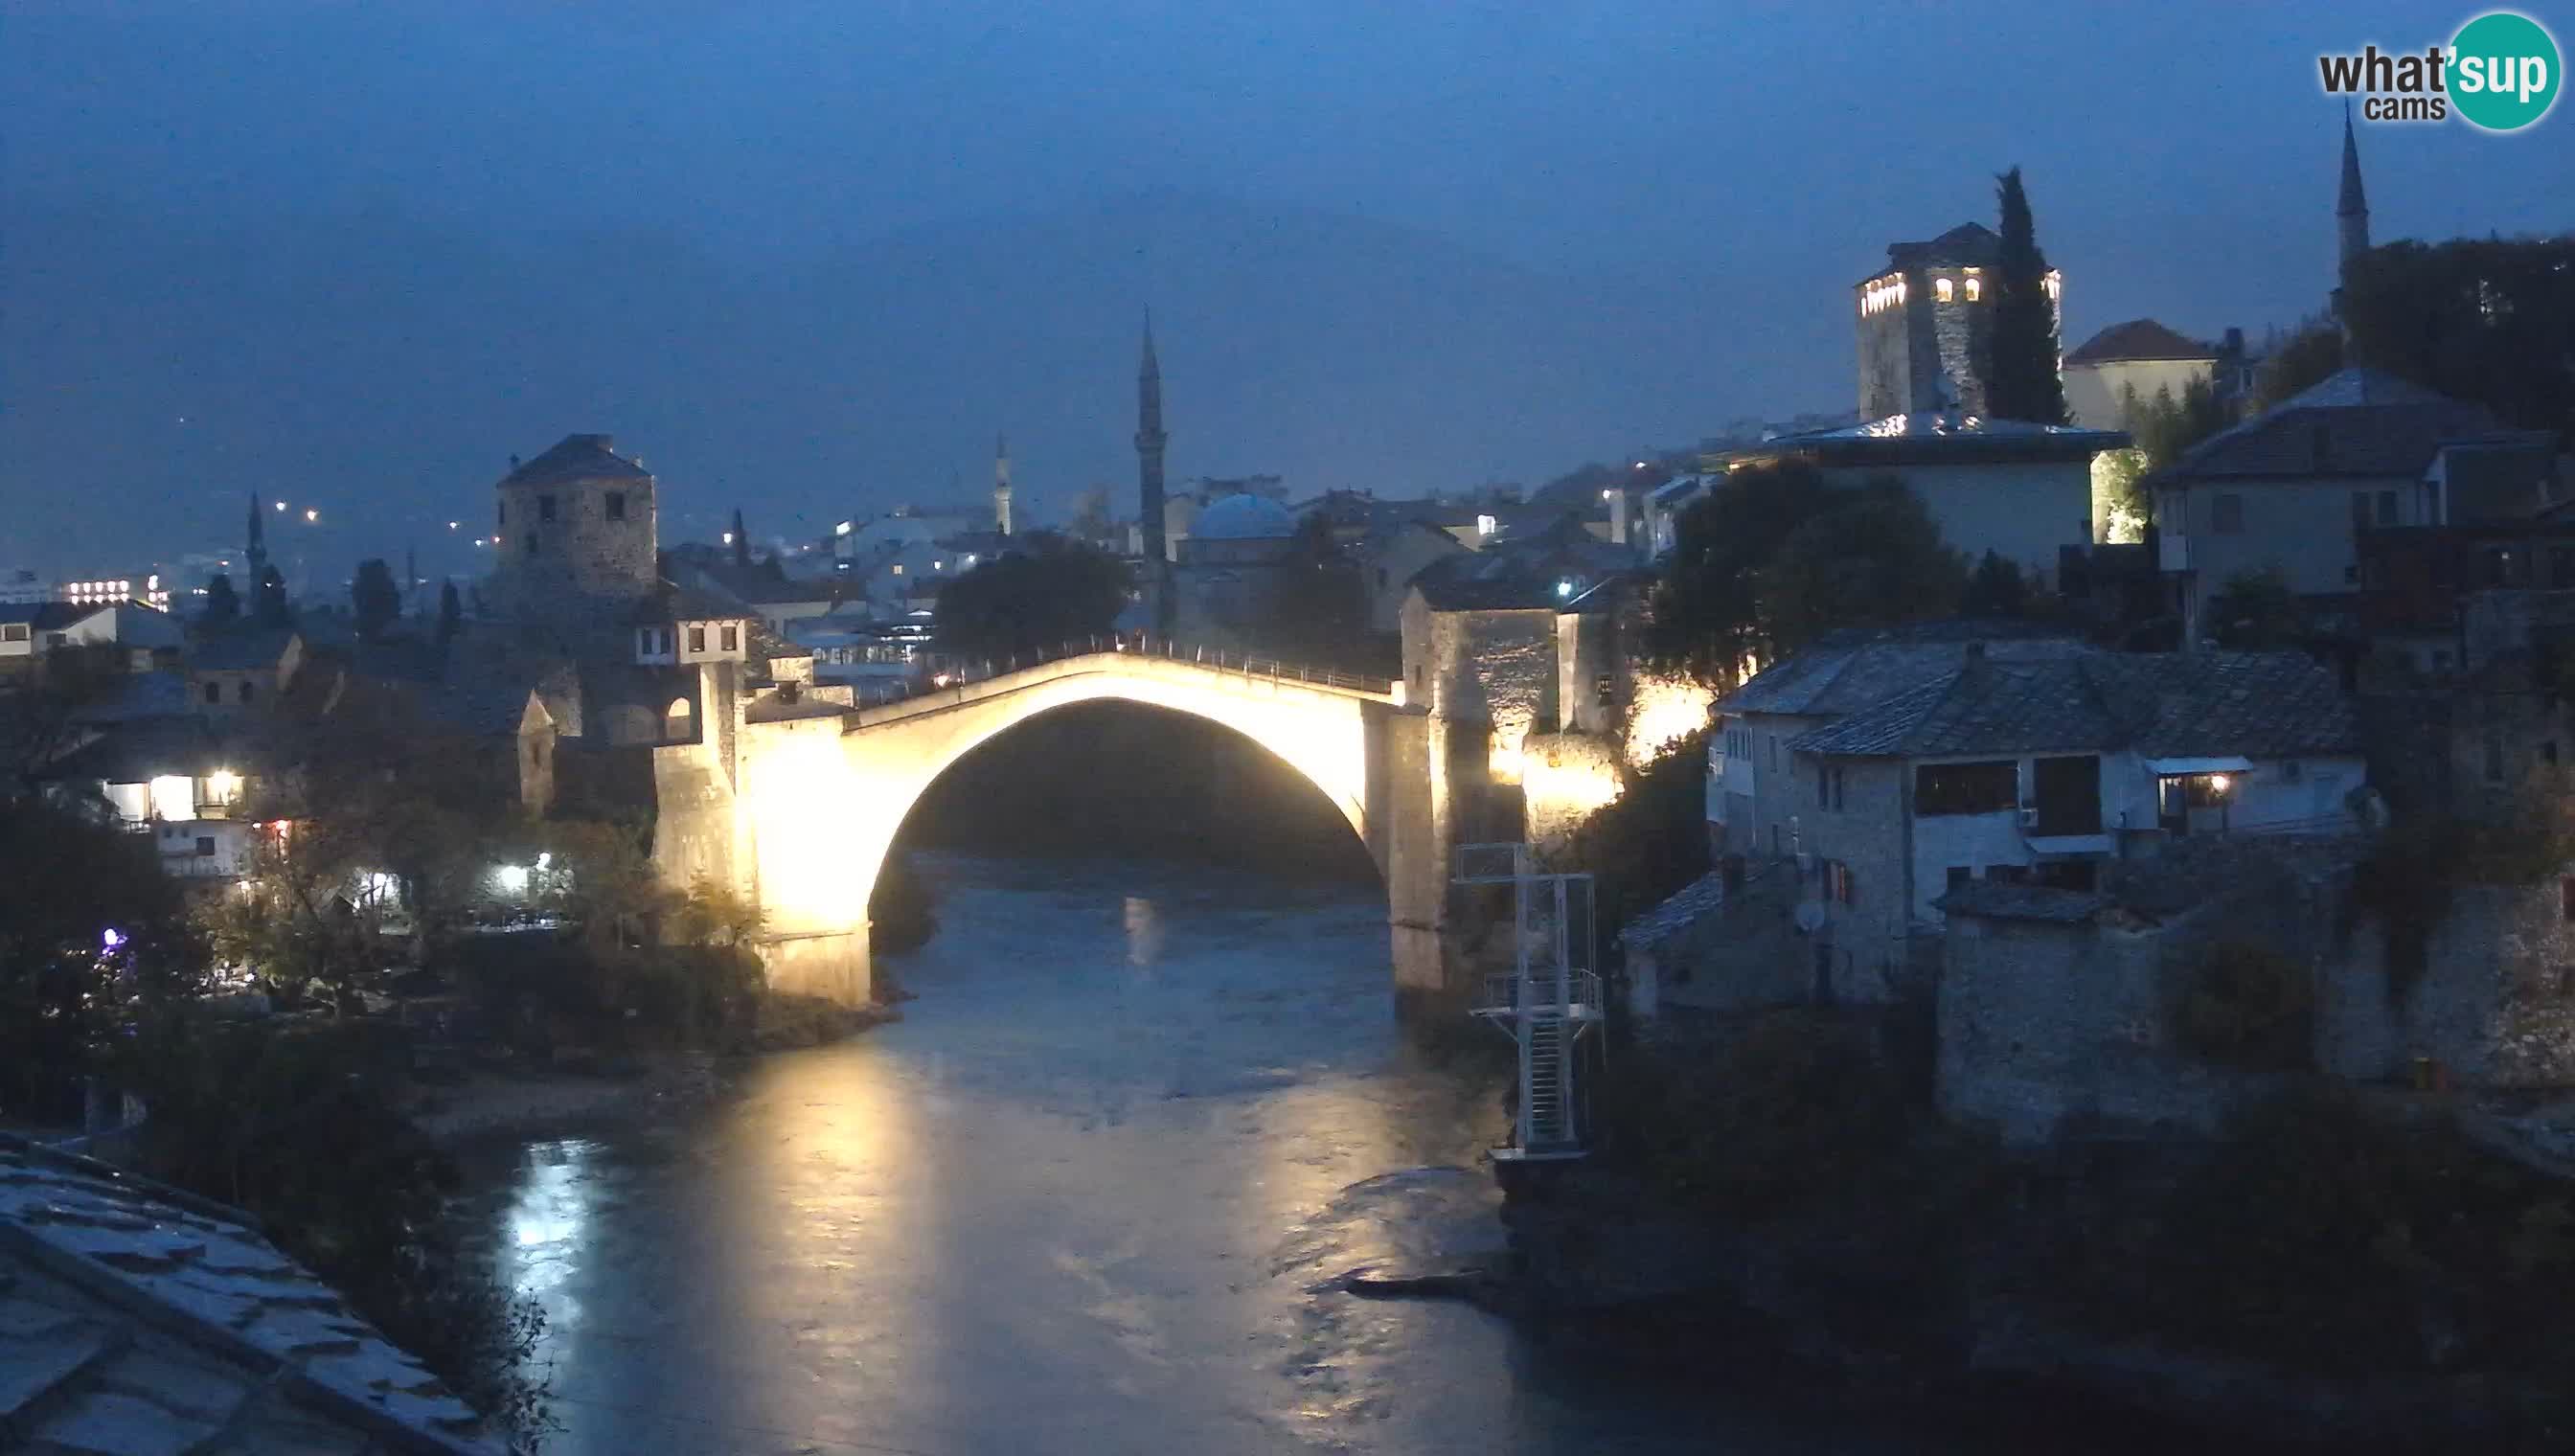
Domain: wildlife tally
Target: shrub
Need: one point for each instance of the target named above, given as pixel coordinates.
(2248, 1006)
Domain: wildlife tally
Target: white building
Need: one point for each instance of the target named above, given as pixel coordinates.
(2020, 490)
(2139, 357)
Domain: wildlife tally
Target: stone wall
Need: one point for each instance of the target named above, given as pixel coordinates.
(2493, 1002)
(583, 559)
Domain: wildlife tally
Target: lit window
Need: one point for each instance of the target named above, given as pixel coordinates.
(731, 637)
(174, 797)
(697, 640)
(1976, 289)
(1946, 289)
(1484, 525)
(898, 569)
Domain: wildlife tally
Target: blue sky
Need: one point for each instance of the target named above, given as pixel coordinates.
(1714, 175)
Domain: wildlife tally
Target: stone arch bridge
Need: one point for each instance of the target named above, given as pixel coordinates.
(795, 799)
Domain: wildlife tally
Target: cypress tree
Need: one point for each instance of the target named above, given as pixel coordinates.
(2018, 362)
(223, 606)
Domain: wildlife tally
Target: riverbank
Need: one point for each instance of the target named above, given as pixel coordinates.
(588, 1088)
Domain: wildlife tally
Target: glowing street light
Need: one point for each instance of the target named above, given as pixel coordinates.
(451, 526)
(312, 516)
(281, 505)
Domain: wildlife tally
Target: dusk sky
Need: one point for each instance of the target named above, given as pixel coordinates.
(806, 259)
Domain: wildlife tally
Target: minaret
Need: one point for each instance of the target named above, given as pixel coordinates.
(2351, 212)
(1002, 484)
(255, 551)
(1149, 440)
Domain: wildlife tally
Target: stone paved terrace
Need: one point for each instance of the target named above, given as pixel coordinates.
(136, 1321)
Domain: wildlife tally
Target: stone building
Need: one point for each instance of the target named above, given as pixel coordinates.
(1228, 570)
(576, 531)
(1923, 319)
(2140, 358)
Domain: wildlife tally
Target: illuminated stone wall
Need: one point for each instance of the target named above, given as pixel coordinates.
(1565, 780)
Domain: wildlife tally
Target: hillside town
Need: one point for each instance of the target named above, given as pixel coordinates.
(2089, 741)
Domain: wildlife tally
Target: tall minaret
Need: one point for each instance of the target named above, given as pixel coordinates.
(1149, 440)
(1002, 484)
(2351, 212)
(255, 549)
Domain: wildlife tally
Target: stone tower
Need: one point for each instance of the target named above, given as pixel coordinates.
(1149, 440)
(1924, 320)
(576, 532)
(2351, 209)
(1002, 485)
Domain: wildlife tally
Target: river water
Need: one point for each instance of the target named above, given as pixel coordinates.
(1087, 1197)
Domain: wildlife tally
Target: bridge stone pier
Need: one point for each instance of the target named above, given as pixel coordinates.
(794, 798)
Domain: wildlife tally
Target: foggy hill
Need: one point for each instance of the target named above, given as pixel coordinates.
(376, 360)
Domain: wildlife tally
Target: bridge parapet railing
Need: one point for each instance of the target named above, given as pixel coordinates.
(947, 675)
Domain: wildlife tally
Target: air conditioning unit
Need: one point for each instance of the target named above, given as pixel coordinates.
(2030, 816)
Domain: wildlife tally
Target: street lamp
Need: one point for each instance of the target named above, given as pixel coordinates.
(312, 516)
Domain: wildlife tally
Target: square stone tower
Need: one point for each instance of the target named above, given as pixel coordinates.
(1924, 318)
(576, 531)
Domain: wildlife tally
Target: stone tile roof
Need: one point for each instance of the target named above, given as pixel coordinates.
(142, 748)
(1969, 245)
(1930, 436)
(2167, 705)
(2357, 422)
(237, 652)
(1682, 910)
(135, 1318)
(1481, 581)
(1848, 671)
(2137, 339)
(577, 458)
(1998, 900)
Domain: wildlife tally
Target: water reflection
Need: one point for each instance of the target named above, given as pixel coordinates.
(1064, 1206)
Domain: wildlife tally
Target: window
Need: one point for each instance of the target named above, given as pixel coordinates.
(532, 542)
(731, 637)
(2360, 510)
(1946, 289)
(13, 631)
(697, 640)
(1976, 289)
(245, 689)
(1837, 883)
(205, 846)
(2387, 508)
(214, 693)
(1966, 789)
(54, 639)
(2226, 515)
(1484, 525)
(617, 505)
(1829, 786)
(545, 508)
(1605, 690)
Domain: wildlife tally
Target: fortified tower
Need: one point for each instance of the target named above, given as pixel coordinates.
(576, 532)
(1924, 320)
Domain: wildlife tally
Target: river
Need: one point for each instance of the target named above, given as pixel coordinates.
(1084, 1198)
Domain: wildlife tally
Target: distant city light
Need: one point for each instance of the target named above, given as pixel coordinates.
(545, 861)
(1564, 587)
(841, 530)
(110, 939)
(311, 516)
(513, 878)
(728, 538)
(451, 526)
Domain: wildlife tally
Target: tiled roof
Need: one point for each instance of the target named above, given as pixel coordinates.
(2004, 900)
(135, 1318)
(1481, 581)
(50, 615)
(1855, 669)
(1930, 436)
(671, 602)
(235, 652)
(2137, 339)
(2357, 422)
(2174, 705)
(144, 748)
(577, 457)
(1682, 910)
(1969, 245)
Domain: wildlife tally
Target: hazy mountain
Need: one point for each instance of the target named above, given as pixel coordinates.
(383, 368)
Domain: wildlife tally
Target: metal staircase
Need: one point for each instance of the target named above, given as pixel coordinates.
(1550, 998)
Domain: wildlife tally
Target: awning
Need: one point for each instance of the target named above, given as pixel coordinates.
(2172, 768)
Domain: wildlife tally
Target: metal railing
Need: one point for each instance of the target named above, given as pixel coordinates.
(964, 674)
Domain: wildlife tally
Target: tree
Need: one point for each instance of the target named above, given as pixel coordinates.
(2490, 320)
(91, 933)
(1876, 560)
(741, 539)
(2164, 426)
(267, 602)
(223, 607)
(2310, 354)
(450, 612)
(2018, 362)
(1706, 619)
(1995, 590)
(374, 599)
(1049, 592)
(2254, 612)
(1320, 615)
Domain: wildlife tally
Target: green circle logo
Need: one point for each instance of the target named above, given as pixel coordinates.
(2503, 71)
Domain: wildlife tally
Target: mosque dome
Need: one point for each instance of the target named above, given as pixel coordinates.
(1243, 517)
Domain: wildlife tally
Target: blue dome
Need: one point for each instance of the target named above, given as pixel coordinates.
(1243, 517)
